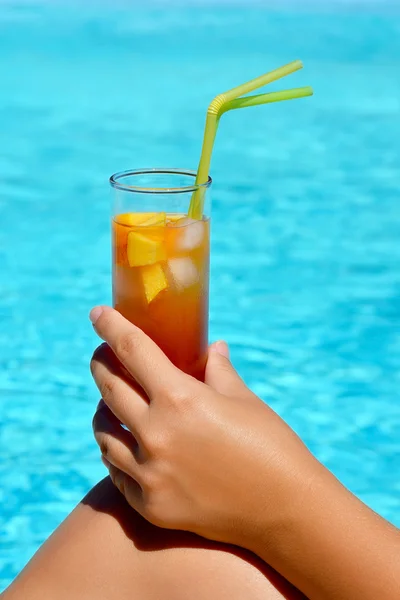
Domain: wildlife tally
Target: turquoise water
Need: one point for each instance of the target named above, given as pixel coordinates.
(306, 233)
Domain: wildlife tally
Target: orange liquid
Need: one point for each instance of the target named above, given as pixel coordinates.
(177, 317)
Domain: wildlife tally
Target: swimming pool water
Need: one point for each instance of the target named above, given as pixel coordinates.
(306, 228)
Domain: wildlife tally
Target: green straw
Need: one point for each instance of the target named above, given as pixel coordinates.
(267, 98)
(231, 100)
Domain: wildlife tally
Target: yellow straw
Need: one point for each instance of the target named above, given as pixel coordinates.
(228, 101)
(267, 98)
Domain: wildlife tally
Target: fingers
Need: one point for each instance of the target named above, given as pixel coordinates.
(222, 348)
(118, 391)
(127, 486)
(144, 360)
(117, 445)
(220, 374)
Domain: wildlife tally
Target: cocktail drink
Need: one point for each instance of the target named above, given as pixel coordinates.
(161, 262)
(161, 238)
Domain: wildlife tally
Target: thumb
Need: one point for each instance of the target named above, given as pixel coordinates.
(220, 374)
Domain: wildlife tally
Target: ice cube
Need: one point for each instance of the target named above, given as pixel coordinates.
(190, 235)
(183, 272)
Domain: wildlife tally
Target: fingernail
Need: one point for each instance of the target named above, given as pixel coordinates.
(105, 462)
(95, 313)
(222, 348)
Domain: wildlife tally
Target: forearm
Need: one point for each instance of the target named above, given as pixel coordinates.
(331, 546)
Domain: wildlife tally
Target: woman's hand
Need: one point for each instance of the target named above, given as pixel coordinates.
(213, 459)
(209, 457)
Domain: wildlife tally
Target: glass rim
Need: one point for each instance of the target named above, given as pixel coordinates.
(115, 181)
